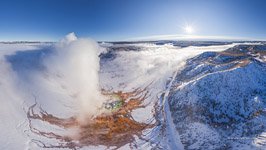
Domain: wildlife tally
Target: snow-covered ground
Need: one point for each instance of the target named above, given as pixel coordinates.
(24, 80)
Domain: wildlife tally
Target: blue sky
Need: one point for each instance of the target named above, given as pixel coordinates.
(50, 20)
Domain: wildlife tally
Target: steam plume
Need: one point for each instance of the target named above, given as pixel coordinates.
(75, 65)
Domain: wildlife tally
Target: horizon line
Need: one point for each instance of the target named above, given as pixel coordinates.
(162, 37)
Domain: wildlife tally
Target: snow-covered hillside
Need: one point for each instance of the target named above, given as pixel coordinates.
(218, 100)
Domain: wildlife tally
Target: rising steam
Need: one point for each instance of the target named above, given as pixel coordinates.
(75, 65)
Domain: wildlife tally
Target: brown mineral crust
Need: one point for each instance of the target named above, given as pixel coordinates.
(115, 129)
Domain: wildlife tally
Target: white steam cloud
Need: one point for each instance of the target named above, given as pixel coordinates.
(75, 65)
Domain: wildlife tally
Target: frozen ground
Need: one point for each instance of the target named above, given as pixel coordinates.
(24, 82)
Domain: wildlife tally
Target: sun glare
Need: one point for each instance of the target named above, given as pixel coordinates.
(189, 29)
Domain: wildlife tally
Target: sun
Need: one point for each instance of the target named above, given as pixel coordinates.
(189, 29)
